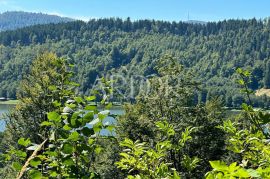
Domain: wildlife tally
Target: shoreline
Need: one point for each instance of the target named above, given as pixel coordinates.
(10, 102)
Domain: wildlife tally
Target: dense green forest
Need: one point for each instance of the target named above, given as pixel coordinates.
(18, 19)
(54, 132)
(211, 52)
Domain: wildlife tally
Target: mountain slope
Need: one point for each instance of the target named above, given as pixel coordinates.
(212, 52)
(15, 19)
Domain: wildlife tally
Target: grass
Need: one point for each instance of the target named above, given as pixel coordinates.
(9, 102)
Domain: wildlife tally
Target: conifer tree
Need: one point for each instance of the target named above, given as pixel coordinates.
(267, 75)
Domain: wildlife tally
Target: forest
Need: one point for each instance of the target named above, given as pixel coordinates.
(57, 132)
(211, 52)
(188, 92)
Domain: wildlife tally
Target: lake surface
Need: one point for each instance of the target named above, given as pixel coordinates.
(117, 110)
(4, 108)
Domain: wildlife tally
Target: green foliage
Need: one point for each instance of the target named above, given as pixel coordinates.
(165, 134)
(142, 161)
(42, 91)
(71, 147)
(267, 75)
(170, 106)
(249, 140)
(221, 170)
(114, 46)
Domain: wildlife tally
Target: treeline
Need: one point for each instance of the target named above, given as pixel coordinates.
(54, 31)
(211, 52)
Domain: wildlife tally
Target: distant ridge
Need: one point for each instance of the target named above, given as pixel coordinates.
(12, 20)
(196, 22)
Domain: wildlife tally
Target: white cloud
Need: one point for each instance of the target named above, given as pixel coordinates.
(83, 18)
(56, 14)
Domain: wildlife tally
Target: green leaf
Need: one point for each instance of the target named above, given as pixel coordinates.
(246, 73)
(127, 143)
(97, 127)
(98, 150)
(35, 162)
(74, 136)
(67, 148)
(67, 127)
(109, 106)
(253, 173)
(239, 70)
(74, 84)
(24, 142)
(56, 104)
(74, 120)
(68, 161)
(242, 173)
(90, 98)
(20, 154)
(88, 117)
(161, 125)
(176, 175)
(110, 128)
(91, 141)
(218, 165)
(53, 174)
(101, 116)
(90, 108)
(54, 116)
(52, 88)
(170, 132)
(35, 174)
(17, 166)
(79, 100)
(46, 123)
(52, 153)
(87, 131)
(241, 82)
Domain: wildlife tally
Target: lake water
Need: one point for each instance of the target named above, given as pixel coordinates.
(4, 108)
(117, 110)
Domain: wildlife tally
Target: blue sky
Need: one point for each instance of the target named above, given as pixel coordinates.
(171, 10)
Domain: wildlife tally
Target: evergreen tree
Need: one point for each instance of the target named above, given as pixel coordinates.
(267, 75)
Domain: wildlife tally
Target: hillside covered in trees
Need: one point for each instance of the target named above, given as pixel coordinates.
(55, 133)
(16, 19)
(210, 52)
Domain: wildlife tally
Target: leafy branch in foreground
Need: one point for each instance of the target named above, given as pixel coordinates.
(171, 99)
(73, 145)
(71, 132)
(250, 141)
(139, 160)
(257, 118)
